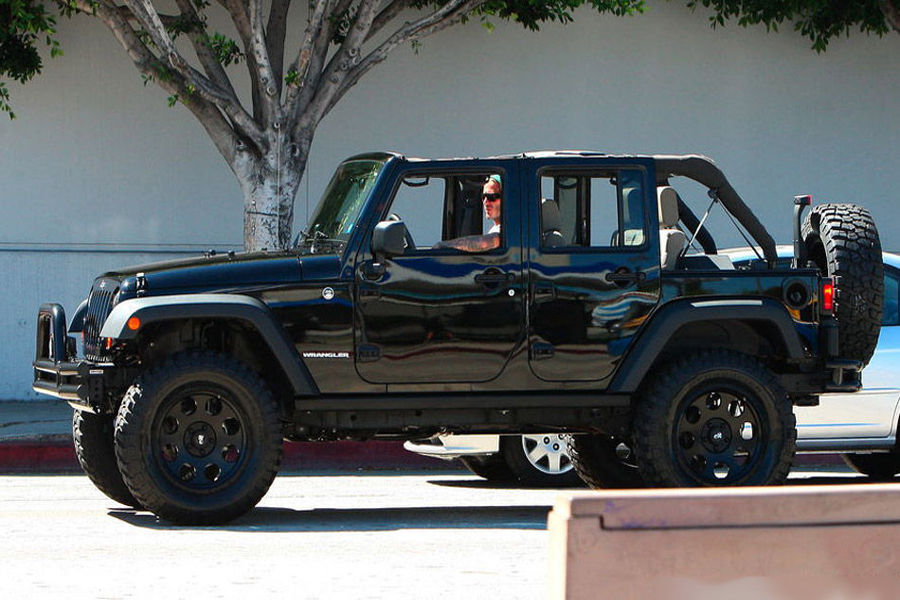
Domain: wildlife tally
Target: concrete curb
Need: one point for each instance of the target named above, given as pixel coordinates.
(56, 454)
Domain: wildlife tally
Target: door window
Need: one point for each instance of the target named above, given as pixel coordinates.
(596, 210)
(451, 212)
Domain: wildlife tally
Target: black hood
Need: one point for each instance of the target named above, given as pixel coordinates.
(228, 272)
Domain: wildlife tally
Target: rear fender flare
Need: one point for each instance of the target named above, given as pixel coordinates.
(221, 306)
(674, 315)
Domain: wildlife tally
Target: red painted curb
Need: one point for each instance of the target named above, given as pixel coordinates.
(37, 457)
(59, 457)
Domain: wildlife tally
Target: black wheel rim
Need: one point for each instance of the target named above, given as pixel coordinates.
(199, 438)
(719, 436)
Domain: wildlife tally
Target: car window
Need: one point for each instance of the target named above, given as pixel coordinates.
(439, 208)
(419, 203)
(598, 210)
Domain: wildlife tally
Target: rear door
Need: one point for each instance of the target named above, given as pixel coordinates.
(593, 263)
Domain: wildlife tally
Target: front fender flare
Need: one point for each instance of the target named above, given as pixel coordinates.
(674, 315)
(221, 306)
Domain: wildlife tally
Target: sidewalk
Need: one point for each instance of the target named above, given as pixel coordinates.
(36, 437)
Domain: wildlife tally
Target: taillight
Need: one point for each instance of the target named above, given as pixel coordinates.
(828, 296)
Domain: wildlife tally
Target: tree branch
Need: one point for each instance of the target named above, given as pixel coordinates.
(388, 14)
(891, 11)
(276, 30)
(211, 65)
(342, 63)
(307, 65)
(447, 15)
(220, 131)
(247, 18)
(195, 82)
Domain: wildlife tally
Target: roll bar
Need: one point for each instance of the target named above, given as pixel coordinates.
(705, 172)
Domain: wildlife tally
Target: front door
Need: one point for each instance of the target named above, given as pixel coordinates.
(451, 308)
(593, 264)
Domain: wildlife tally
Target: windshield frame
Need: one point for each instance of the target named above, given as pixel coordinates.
(342, 204)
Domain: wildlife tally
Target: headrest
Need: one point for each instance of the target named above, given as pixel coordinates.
(632, 209)
(668, 206)
(550, 220)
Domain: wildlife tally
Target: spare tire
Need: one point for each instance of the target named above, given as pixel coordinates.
(842, 241)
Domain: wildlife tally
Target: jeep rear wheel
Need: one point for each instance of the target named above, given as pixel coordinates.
(93, 437)
(843, 242)
(198, 439)
(715, 418)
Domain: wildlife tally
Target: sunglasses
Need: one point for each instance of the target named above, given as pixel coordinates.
(491, 197)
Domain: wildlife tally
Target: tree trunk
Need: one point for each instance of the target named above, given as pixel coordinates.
(270, 186)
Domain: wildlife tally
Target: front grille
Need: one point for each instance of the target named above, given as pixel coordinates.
(99, 307)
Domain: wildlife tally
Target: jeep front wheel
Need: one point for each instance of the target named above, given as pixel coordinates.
(198, 439)
(93, 437)
(716, 418)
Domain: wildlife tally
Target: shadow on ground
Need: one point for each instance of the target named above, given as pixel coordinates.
(365, 519)
(484, 484)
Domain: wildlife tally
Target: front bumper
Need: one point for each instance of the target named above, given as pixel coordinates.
(58, 372)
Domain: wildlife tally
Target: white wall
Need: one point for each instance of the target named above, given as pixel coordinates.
(97, 158)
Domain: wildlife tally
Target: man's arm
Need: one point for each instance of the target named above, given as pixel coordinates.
(472, 243)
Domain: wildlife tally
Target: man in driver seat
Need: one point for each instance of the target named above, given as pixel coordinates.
(491, 198)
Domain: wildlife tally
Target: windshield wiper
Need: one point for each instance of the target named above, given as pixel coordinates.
(314, 238)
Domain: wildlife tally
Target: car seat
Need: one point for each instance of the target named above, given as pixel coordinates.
(671, 239)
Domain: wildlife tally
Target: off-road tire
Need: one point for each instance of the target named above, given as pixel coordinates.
(539, 471)
(93, 437)
(843, 242)
(599, 464)
(881, 466)
(492, 467)
(198, 439)
(691, 421)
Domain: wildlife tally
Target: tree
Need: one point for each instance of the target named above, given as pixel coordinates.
(266, 144)
(819, 20)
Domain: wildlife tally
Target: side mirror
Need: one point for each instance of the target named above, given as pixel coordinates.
(388, 240)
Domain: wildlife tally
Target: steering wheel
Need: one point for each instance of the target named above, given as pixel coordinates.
(408, 237)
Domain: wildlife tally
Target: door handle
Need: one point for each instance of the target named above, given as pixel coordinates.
(544, 290)
(623, 276)
(493, 277)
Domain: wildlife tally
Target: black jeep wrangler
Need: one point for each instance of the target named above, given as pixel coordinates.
(596, 305)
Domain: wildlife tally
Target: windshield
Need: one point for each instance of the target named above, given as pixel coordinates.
(335, 216)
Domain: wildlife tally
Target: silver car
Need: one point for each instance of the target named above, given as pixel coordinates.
(861, 426)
